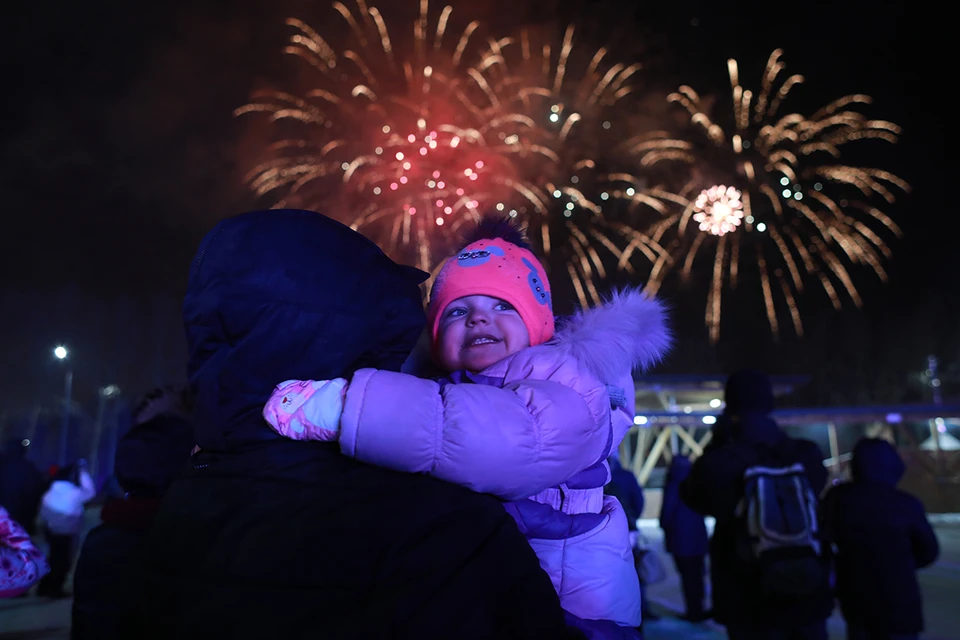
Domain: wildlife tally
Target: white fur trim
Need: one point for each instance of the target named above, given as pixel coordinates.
(629, 331)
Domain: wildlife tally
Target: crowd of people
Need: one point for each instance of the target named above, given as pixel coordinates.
(352, 466)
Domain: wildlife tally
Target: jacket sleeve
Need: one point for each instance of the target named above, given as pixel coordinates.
(87, 489)
(710, 489)
(923, 540)
(512, 442)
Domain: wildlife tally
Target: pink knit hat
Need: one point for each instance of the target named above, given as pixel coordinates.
(500, 269)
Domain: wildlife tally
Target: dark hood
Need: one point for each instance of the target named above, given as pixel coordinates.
(748, 391)
(876, 461)
(755, 428)
(286, 294)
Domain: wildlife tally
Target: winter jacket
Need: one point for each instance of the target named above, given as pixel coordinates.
(684, 530)
(21, 563)
(62, 504)
(264, 537)
(882, 537)
(714, 488)
(537, 429)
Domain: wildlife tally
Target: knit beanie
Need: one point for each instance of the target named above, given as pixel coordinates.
(501, 269)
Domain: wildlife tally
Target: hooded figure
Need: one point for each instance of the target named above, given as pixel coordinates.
(269, 537)
(684, 531)
(882, 537)
(684, 537)
(715, 488)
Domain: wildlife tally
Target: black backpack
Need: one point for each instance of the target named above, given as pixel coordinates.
(779, 530)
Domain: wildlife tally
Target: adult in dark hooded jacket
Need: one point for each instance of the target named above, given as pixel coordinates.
(685, 538)
(355, 551)
(715, 487)
(882, 537)
(108, 580)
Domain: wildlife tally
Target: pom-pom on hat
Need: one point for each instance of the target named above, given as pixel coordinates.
(498, 264)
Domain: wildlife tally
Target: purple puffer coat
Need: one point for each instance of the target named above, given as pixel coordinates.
(536, 430)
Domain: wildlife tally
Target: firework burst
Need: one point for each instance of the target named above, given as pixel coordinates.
(800, 214)
(573, 168)
(718, 210)
(414, 140)
(394, 138)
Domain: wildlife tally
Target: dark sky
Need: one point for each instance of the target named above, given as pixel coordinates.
(118, 151)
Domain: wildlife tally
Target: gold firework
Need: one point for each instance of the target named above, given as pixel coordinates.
(405, 140)
(394, 137)
(805, 214)
(569, 102)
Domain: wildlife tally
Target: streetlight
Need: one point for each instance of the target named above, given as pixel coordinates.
(105, 394)
(61, 353)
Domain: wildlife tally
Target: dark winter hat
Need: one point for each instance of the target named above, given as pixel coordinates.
(152, 453)
(876, 460)
(748, 391)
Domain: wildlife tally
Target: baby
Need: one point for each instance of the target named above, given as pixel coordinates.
(525, 413)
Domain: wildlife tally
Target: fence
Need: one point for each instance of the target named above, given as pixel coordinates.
(925, 435)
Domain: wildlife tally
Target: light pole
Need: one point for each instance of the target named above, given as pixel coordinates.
(105, 393)
(933, 377)
(61, 354)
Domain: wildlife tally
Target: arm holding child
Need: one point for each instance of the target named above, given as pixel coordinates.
(513, 441)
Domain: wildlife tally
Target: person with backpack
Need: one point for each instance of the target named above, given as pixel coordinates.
(769, 569)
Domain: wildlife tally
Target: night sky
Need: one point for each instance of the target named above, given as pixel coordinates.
(119, 151)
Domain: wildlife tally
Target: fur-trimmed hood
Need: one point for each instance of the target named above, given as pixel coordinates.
(628, 332)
